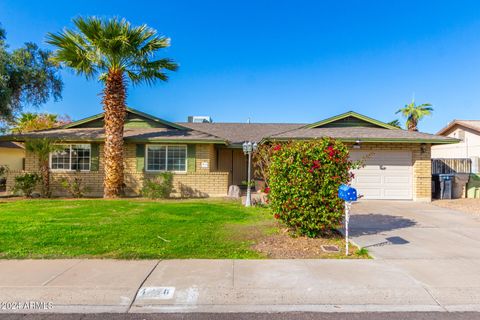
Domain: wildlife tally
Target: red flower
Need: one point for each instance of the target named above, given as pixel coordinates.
(277, 147)
(276, 216)
(267, 190)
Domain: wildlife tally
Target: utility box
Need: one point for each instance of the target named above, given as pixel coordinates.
(347, 193)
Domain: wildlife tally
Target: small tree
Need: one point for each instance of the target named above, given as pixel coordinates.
(304, 177)
(261, 162)
(42, 149)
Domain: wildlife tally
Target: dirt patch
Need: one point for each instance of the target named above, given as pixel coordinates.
(274, 241)
(464, 205)
(283, 246)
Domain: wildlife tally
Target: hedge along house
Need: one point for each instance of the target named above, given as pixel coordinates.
(207, 157)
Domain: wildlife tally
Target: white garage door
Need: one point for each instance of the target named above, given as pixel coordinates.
(386, 174)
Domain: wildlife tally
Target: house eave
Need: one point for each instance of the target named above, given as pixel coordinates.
(372, 140)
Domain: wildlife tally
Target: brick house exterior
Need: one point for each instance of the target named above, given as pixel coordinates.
(208, 157)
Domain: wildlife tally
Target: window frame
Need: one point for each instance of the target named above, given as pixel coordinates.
(70, 158)
(166, 157)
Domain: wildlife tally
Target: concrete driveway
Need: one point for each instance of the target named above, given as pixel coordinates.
(409, 230)
(438, 247)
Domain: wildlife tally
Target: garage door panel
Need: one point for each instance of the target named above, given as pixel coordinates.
(371, 193)
(396, 193)
(397, 179)
(373, 179)
(385, 175)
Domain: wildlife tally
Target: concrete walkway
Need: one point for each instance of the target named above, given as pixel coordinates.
(428, 259)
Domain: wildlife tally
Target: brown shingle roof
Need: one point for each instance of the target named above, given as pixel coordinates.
(472, 124)
(130, 134)
(237, 133)
(362, 134)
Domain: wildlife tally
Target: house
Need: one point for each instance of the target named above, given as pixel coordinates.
(12, 155)
(452, 157)
(468, 132)
(207, 157)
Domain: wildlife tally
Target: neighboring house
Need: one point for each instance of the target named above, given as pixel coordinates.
(468, 132)
(12, 155)
(451, 157)
(207, 157)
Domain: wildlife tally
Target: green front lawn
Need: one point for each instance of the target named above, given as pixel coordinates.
(130, 229)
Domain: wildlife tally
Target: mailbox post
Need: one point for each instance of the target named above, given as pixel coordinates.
(348, 194)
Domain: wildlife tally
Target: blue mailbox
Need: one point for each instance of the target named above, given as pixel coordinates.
(347, 193)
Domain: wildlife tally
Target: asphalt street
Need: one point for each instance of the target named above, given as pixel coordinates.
(252, 316)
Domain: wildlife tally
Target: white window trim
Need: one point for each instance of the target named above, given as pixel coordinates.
(166, 157)
(70, 159)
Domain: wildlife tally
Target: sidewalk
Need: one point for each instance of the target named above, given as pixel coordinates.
(227, 286)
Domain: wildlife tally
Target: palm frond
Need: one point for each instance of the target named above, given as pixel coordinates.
(99, 46)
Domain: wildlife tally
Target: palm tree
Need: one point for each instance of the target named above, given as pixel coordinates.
(415, 113)
(42, 148)
(395, 123)
(117, 52)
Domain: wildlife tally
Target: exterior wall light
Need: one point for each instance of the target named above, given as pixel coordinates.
(357, 144)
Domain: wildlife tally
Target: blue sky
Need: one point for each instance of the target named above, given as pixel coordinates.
(284, 61)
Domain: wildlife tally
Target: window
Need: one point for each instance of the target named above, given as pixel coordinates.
(166, 158)
(73, 157)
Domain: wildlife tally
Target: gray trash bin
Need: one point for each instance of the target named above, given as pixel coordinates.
(445, 185)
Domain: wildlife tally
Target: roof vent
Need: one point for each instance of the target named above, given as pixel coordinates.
(200, 119)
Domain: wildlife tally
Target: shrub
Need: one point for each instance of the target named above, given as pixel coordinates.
(362, 252)
(159, 187)
(74, 186)
(304, 177)
(26, 183)
(3, 170)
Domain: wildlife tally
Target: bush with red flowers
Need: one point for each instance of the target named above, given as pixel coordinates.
(304, 177)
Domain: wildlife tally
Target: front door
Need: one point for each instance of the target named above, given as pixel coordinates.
(235, 162)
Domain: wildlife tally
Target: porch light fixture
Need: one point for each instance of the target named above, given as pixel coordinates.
(248, 148)
(356, 144)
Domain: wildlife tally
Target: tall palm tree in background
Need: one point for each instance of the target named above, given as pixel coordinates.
(415, 113)
(117, 52)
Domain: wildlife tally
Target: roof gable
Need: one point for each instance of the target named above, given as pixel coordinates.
(470, 124)
(134, 119)
(350, 119)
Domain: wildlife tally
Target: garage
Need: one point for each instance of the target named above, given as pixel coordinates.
(386, 175)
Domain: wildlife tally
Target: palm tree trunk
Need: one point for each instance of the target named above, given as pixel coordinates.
(412, 125)
(115, 113)
(45, 172)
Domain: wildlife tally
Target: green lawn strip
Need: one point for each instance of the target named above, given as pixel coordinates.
(126, 229)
